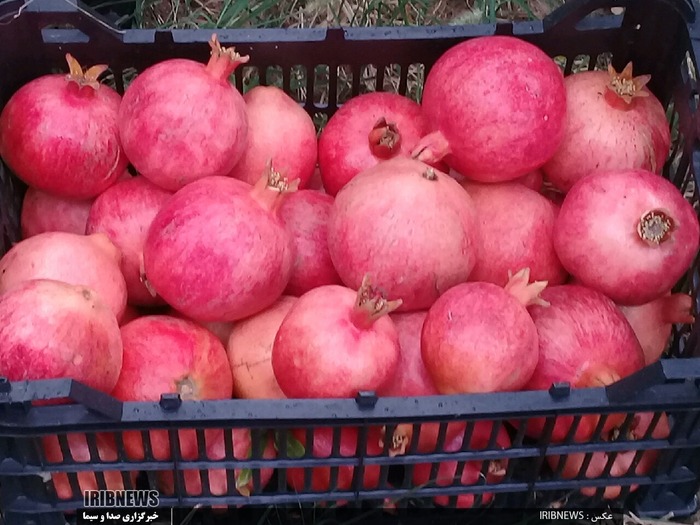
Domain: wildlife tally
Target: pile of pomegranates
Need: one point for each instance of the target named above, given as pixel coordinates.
(410, 249)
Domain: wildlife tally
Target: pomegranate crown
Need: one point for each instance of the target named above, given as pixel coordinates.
(625, 85)
(82, 77)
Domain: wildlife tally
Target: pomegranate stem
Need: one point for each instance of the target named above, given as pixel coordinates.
(655, 227)
(370, 305)
(224, 60)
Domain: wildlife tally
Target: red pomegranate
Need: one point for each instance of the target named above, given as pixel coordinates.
(91, 261)
(124, 213)
(622, 124)
(305, 216)
(385, 222)
(279, 131)
(479, 337)
(196, 368)
(181, 120)
(217, 250)
(515, 231)
(43, 212)
(58, 133)
(496, 106)
(50, 329)
(336, 342)
(474, 472)
(635, 221)
(586, 341)
(366, 130)
(79, 449)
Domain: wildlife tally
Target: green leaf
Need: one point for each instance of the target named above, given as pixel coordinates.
(295, 449)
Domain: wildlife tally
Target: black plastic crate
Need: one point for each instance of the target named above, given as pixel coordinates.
(322, 68)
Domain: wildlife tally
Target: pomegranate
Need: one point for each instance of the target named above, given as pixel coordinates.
(181, 120)
(58, 133)
(652, 322)
(412, 379)
(625, 463)
(366, 130)
(335, 342)
(196, 368)
(515, 231)
(50, 329)
(385, 222)
(43, 212)
(478, 337)
(305, 217)
(280, 131)
(249, 350)
(217, 251)
(217, 479)
(492, 472)
(124, 213)
(496, 106)
(613, 122)
(586, 341)
(80, 453)
(91, 261)
(631, 226)
(322, 447)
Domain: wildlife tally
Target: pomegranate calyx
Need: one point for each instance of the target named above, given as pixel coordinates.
(432, 148)
(625, 85)
(430, 174)
(87, 77)
(371, 304)
(655, 227)
(384, 139)
(224, 60)
(271, 187)
(527, 293)
(186, 388)
(400, 439)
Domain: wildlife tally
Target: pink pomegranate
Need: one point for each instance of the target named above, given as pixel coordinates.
(586, 341)
(412, 379)
(217, 479)
(43, 212)
(322, 447)
(91, 261)
(79, 448)
(625, 463)
(479, 337)
(305, 216)
(181, 120)
(58, 133)
(620, 122)
(366, 130)
(217, 250)
(652, 322)
(631, 226)
(166, 355)
(279, 131)
(50, 329)
(249, 350)
(496, 106)
(515, 231)
(494, 471)
(355, 325)
(385, 223)
(124, 213)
